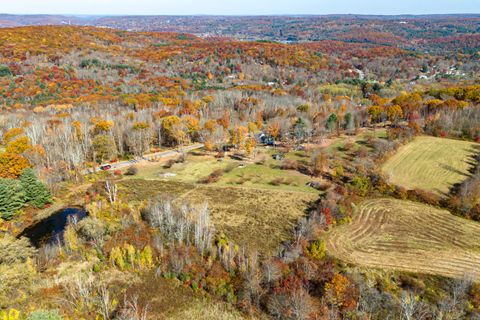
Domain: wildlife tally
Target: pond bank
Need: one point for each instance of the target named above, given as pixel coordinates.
(50, 229)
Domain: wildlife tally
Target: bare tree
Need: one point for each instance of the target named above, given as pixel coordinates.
(271, 271)
(412, 307)
(132, 311)
(80, 292)
(112, 191)
(105, 302)
(182, 225)
(453, 307)
(291, 305)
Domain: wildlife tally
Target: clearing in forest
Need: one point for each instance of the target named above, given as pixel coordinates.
(259, 219)
(255, 204)
(407, 236)
(432, 164)
(265, 174)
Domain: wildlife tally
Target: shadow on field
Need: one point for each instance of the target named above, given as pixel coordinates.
(453, 169)
(474, 162)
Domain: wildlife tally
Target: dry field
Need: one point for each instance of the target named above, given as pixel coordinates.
(406, 236)
(255, 218)
(432, 164)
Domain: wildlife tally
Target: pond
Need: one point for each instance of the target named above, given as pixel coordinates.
(50, 230)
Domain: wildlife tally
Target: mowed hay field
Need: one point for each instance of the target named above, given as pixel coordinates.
(432, 164)
(407, 236)
(258, 219)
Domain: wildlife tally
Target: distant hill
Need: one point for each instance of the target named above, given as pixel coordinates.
(9, 20)
(422, 33)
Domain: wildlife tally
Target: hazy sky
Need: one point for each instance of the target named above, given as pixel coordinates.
(239, 7)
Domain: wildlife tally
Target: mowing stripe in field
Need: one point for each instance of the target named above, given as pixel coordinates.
(432, 164)
(407, 236)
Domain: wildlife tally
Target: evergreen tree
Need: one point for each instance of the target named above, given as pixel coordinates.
(332, 122)
(12, 198)
(36, 193)
(349, 121)
(300, 128)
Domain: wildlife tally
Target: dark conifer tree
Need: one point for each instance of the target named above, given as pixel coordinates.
(12, 198)
(36, 193)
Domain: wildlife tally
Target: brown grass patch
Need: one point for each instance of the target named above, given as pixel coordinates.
(256, 218)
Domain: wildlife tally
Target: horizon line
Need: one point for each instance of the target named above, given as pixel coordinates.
(245, 15)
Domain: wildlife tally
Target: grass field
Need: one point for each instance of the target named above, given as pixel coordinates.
(407, 236)
(265, 175)
(256, 218)
(195, 168)
(432, 164)
(251, 175)
(357, 141)
(256, 205)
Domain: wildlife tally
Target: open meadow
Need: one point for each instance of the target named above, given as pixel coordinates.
(256, 204)
(258, 219)
(406, 236)
(265, 173)
(432, 164)
(340, 144)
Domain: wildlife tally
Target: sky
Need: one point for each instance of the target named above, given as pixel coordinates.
(237, 7)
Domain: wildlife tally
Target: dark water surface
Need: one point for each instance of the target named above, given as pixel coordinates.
(50, 230)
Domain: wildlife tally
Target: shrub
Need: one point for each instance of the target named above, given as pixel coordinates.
(11, 314)
(261, 161)
(180, 159)
(361, 152)
(305, 170)
(349, 145)
(317, 250)
(361, 185)
(423, 196)
(45, 315)
(129, 257)
(117, 173)
(131, 171)
(289, 164)
(92, 230)
(5, 71)
(70, 238)
(88, 63)
(338, 171)
(230, 167)
(169, 164)
(276, 182)
(213, 177)
(243, 179)
(322, 186)
(401, 192)
(279, 181)
(14, 250)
